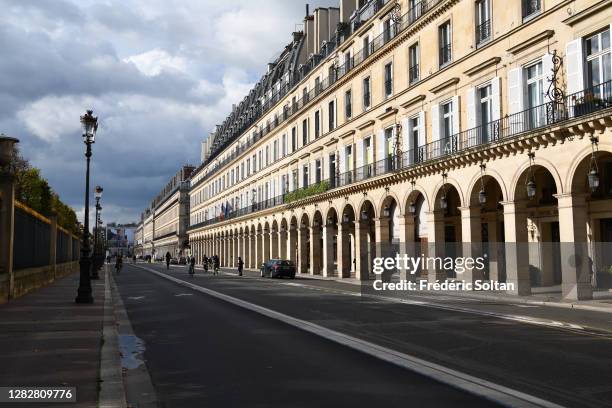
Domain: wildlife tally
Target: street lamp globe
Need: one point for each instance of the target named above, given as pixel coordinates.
(89, 122)
(98, 192)
(482, 197)
(531, 189)
(593, 179)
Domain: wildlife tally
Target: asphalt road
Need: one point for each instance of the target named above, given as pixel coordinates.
(565, 366)
(204, 352)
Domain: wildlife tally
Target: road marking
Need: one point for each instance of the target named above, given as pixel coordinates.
(183, 294)
(136, 297)
(474, 385)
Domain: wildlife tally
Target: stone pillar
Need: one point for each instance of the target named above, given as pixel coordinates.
(471, 234)
(575, 262)
(292, 246)
(494, 253)
(435, 239)
(383, 245)
(344, 251)
(516, 247)
(361, 250)
(7, 226)
(329, 232)
(53, 248)
(315, 250)
(302, 249)
(282, 245)
(407, 245)
(258, 250)
(274, 247)
(266, 246)
(253, 251)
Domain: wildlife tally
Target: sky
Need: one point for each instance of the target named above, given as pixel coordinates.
(158, 74)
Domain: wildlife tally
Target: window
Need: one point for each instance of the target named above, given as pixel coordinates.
(485, 109)
(248, 167)
(368, 158)
(597, 49)
(261, 162)
(317, 85)
(304, 95)
(414, 138)
(293, 139)
(305, 176)
(535, 93)
(483, 21)
(444, 35)
(317, 124)
(388, 80)
(332, 116)
(349, 158)
(348, 107)
(387, 30)
(284, 147)
(366, 47)
(275, 151)
(254, 163)
(366, 93)
(295, 179)
(318, 171)
(267, 155)
(413, 63)
(304, 132)
(447, 119)
(531, 8)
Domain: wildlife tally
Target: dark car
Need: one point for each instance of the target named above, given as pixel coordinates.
(174, 261)
(277, 268)
(182, 260)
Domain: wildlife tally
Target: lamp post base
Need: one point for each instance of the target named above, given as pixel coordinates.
(84, 294)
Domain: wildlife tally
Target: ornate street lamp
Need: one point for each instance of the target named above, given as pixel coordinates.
(482, 196)
(96, 253)
(443, 200)
(412, 205)
(90, 125)
(531, 185)
(386, 211)
(593, 176)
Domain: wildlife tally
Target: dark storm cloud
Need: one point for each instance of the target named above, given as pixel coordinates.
(158, 74)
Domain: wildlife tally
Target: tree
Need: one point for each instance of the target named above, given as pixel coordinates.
(34, 191)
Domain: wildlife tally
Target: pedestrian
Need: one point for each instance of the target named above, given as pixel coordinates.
(134, 258)
(205, 262)
(118, 264)
(216, 264)
(168, 256)
(240, 266)
(192, 266)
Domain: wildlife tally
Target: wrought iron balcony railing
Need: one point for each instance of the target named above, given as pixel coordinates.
(588, 101)
(483, 32)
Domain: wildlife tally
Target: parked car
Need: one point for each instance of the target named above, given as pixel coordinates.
(174, 261)
(277, 268)
(182, 260)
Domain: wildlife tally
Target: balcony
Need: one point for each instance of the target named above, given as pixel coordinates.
(483, 32)
(588, 101)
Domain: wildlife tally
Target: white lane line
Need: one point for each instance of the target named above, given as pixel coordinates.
(474, 385)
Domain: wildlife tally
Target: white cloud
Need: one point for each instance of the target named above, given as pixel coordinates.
(153, 62)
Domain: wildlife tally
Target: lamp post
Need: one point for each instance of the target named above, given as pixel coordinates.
(96, 253)
(90, 126)
(7, 212)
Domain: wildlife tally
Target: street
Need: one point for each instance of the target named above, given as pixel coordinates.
(204, 351)
(201, 351)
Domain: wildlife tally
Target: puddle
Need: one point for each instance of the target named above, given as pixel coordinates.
(131, 348)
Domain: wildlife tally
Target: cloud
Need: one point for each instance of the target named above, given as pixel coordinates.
(158, 74)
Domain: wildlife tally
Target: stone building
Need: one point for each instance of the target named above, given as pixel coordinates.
(165, 222)
(422, 124)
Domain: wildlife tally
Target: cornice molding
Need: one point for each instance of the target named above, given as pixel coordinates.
(544, 35)
(413, 101)
(580, 16)
(482, 66)
(366, 124)
(387, 113)
(440, 87)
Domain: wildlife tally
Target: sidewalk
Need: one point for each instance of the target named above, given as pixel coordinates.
(48, 340)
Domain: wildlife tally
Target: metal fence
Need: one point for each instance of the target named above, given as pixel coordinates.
(588, 101)
(75, 250)
(32, 242)
(62, 247)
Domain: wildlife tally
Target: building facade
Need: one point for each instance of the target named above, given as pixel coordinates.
(163, 226)
(437, 126)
